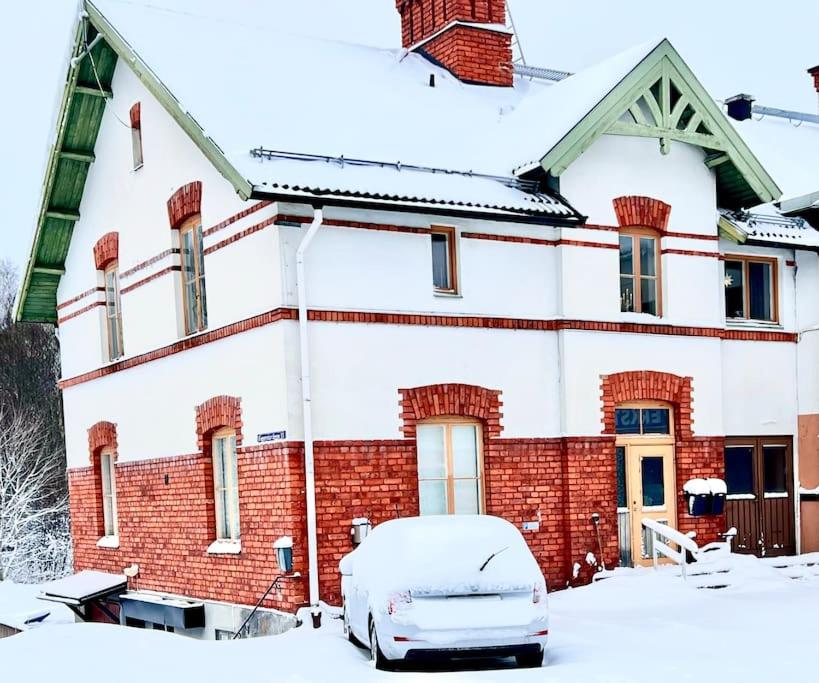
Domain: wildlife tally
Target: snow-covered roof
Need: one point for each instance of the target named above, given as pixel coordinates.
(766, 224)
(788, 150)
(83, 586)
(252, 86)
(20, 609)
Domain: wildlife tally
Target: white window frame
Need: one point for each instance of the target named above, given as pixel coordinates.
(113, 312)
(226, 496)
(108, 481)
(447, 423)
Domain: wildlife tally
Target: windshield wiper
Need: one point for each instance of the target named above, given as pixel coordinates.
(491, 557)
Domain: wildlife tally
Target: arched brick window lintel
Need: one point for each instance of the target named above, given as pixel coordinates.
(216, 413)
(106, 250)
(648, 385)
(184, 203)
(451, 400)
(644, 212)
(102, 435)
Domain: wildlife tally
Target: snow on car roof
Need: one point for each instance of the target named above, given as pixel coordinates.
(444, 554)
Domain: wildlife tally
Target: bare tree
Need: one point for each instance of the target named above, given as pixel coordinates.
(34, 527)
(33, 511)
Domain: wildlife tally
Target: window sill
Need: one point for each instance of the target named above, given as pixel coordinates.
(111, 542)
(225, 548)
(740, 496)
(136, 168)
(447, 295)
(738, 323)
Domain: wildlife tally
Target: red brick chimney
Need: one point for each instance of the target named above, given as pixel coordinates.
(467, 37)
(814, 71)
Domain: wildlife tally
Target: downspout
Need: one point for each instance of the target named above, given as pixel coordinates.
(307, 416)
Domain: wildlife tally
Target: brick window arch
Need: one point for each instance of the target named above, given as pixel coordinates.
(101, 435)
(642, 212)
(184, 203)
(106, 250)
(450, 400)
(217, 413)
(102, 448)
(648, 385)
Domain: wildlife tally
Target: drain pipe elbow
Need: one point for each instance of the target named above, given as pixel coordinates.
(307, 417)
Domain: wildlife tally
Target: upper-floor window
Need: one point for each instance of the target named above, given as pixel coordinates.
(136, 135)
(113, 311)
(193, 276)
(226, 485)
(109, 493)
(450, 467)
(750, 288)
(639, 273)
(444, 263)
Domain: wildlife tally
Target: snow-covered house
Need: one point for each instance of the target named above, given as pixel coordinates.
(299, 282)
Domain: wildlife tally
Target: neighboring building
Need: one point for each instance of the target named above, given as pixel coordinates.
(519, 300)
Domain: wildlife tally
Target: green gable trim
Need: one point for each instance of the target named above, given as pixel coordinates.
(661, 98)
(80, 116)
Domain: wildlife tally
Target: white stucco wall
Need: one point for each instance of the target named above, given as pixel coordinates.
(550, 381)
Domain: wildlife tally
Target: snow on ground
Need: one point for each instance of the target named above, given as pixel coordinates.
(19, 603)
(643, 626)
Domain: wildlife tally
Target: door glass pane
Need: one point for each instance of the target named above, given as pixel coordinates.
(627, 294)
(655, 421)
(759, 284)
(432, 495)
(734, 294)
(466, 497)
(739, 469)
(440, 261)
(626, 255)
(627, 420)
(464, 451)
(648, 295)
(775, 469)
(648, 256)
(653, 481)
(621, 477)
(431, 458)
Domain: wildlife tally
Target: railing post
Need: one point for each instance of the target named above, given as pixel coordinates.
(654, 547)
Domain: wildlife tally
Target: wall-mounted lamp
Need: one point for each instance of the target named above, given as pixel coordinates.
(359, 530)
(284, 554)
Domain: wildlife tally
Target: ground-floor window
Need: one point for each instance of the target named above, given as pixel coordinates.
(450, 467)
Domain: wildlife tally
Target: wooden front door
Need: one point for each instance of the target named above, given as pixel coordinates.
(650, 473)
(760, 505)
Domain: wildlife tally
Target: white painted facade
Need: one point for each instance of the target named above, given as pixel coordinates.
(550, 380)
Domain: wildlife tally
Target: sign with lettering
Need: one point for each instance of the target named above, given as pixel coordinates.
(272, 436)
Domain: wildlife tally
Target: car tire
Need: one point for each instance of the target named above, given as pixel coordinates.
(376, 655)
(530, 660)
(348, 631)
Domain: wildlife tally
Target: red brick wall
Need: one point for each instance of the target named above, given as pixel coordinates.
(474, 55)
(699, 457)
(373, 479)
(166, 523)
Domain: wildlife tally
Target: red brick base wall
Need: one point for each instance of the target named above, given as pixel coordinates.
(166, 513)
(699, 457)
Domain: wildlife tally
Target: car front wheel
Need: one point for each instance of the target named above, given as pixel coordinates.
(381, 662)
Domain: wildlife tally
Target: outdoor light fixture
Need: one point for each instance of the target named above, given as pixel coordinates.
(284, 554)
(359, 530)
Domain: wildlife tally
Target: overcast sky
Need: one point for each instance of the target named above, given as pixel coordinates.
(732, 45)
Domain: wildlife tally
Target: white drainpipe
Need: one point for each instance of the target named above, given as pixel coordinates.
(307, 412)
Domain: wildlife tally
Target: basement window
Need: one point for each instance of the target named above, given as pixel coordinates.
(444, 263)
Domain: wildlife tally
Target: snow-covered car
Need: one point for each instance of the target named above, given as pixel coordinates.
(457, 586)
